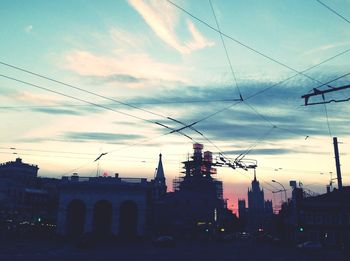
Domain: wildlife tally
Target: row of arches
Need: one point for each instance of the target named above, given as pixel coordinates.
(102, 218)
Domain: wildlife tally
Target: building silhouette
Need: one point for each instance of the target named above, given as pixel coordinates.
(158, 183)
(258, 215)
(323, 218)
(20, 171)
(104, 206)
(26, 198)
(196, 206)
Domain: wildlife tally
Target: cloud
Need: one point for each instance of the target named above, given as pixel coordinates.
(275, 151)
(199, 41)
(124, 65)
(326, 47)
(99, 136)
(280, 106)
(56, 111)
(28, 29)
(34, 98)
(122, 78)
(162, 19)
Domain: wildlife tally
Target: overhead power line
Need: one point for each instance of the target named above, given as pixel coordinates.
(179, 130)
(227, 56)
(98, 105)
(240, 42)
(268, 88)
(133, 103)
(100, 96)
(333, 11)
(225, 108)
(248, 47)
(293, 76)
(77, 88)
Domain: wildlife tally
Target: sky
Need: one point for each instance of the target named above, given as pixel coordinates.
(127, 66)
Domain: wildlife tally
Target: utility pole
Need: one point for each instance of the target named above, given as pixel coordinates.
(337, 163)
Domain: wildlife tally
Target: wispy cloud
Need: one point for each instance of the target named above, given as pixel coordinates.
(99, 136)
(135, 65)
(326, 47)
(57, 111)
(106, 137)
(34, 98)
(123, 78)
(162, 19)
(273, 151)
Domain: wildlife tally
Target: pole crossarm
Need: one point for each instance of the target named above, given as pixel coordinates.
(317, 92)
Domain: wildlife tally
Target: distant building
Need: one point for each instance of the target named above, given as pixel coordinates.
(324, 218)
(242, 209)
(23, 172)
(158, 183)
(196, 206)
(26, 198)
(103, 205)
(259, 213)
(123, 207)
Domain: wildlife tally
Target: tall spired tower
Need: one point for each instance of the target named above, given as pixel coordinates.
(256, 198)
(159, 185)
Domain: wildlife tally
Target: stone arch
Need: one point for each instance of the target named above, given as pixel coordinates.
(102, 218)
(128, 219)
(75, 219)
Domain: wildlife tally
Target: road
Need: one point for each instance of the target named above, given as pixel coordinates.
(185, 250)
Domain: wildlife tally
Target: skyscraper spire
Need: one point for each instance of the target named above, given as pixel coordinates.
(254, 174)
(160, 170)
(159, 185)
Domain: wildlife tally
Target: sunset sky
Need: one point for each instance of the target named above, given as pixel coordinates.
(143, 61)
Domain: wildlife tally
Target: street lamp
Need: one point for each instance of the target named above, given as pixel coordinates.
(285, 192)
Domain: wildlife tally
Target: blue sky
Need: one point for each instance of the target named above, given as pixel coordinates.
(152, 55)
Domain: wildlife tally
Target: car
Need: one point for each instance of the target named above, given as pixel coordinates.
(164, 241)
(310, 245)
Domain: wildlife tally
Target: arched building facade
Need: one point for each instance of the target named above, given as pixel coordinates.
(104, 206)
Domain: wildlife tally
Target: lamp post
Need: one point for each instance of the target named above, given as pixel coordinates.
(285, 192)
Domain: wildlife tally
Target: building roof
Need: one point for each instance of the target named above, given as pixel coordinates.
(335, 195)
(18, 163)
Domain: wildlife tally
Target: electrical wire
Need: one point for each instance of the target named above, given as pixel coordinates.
(78, 88)
(100, 106)
(101, 96)
(211, 115)
(139, 103)
(333, 80)
(67, 153)
(227, 56)
(293, 76)
(241, 43)
(333, 11)
(258, 141)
